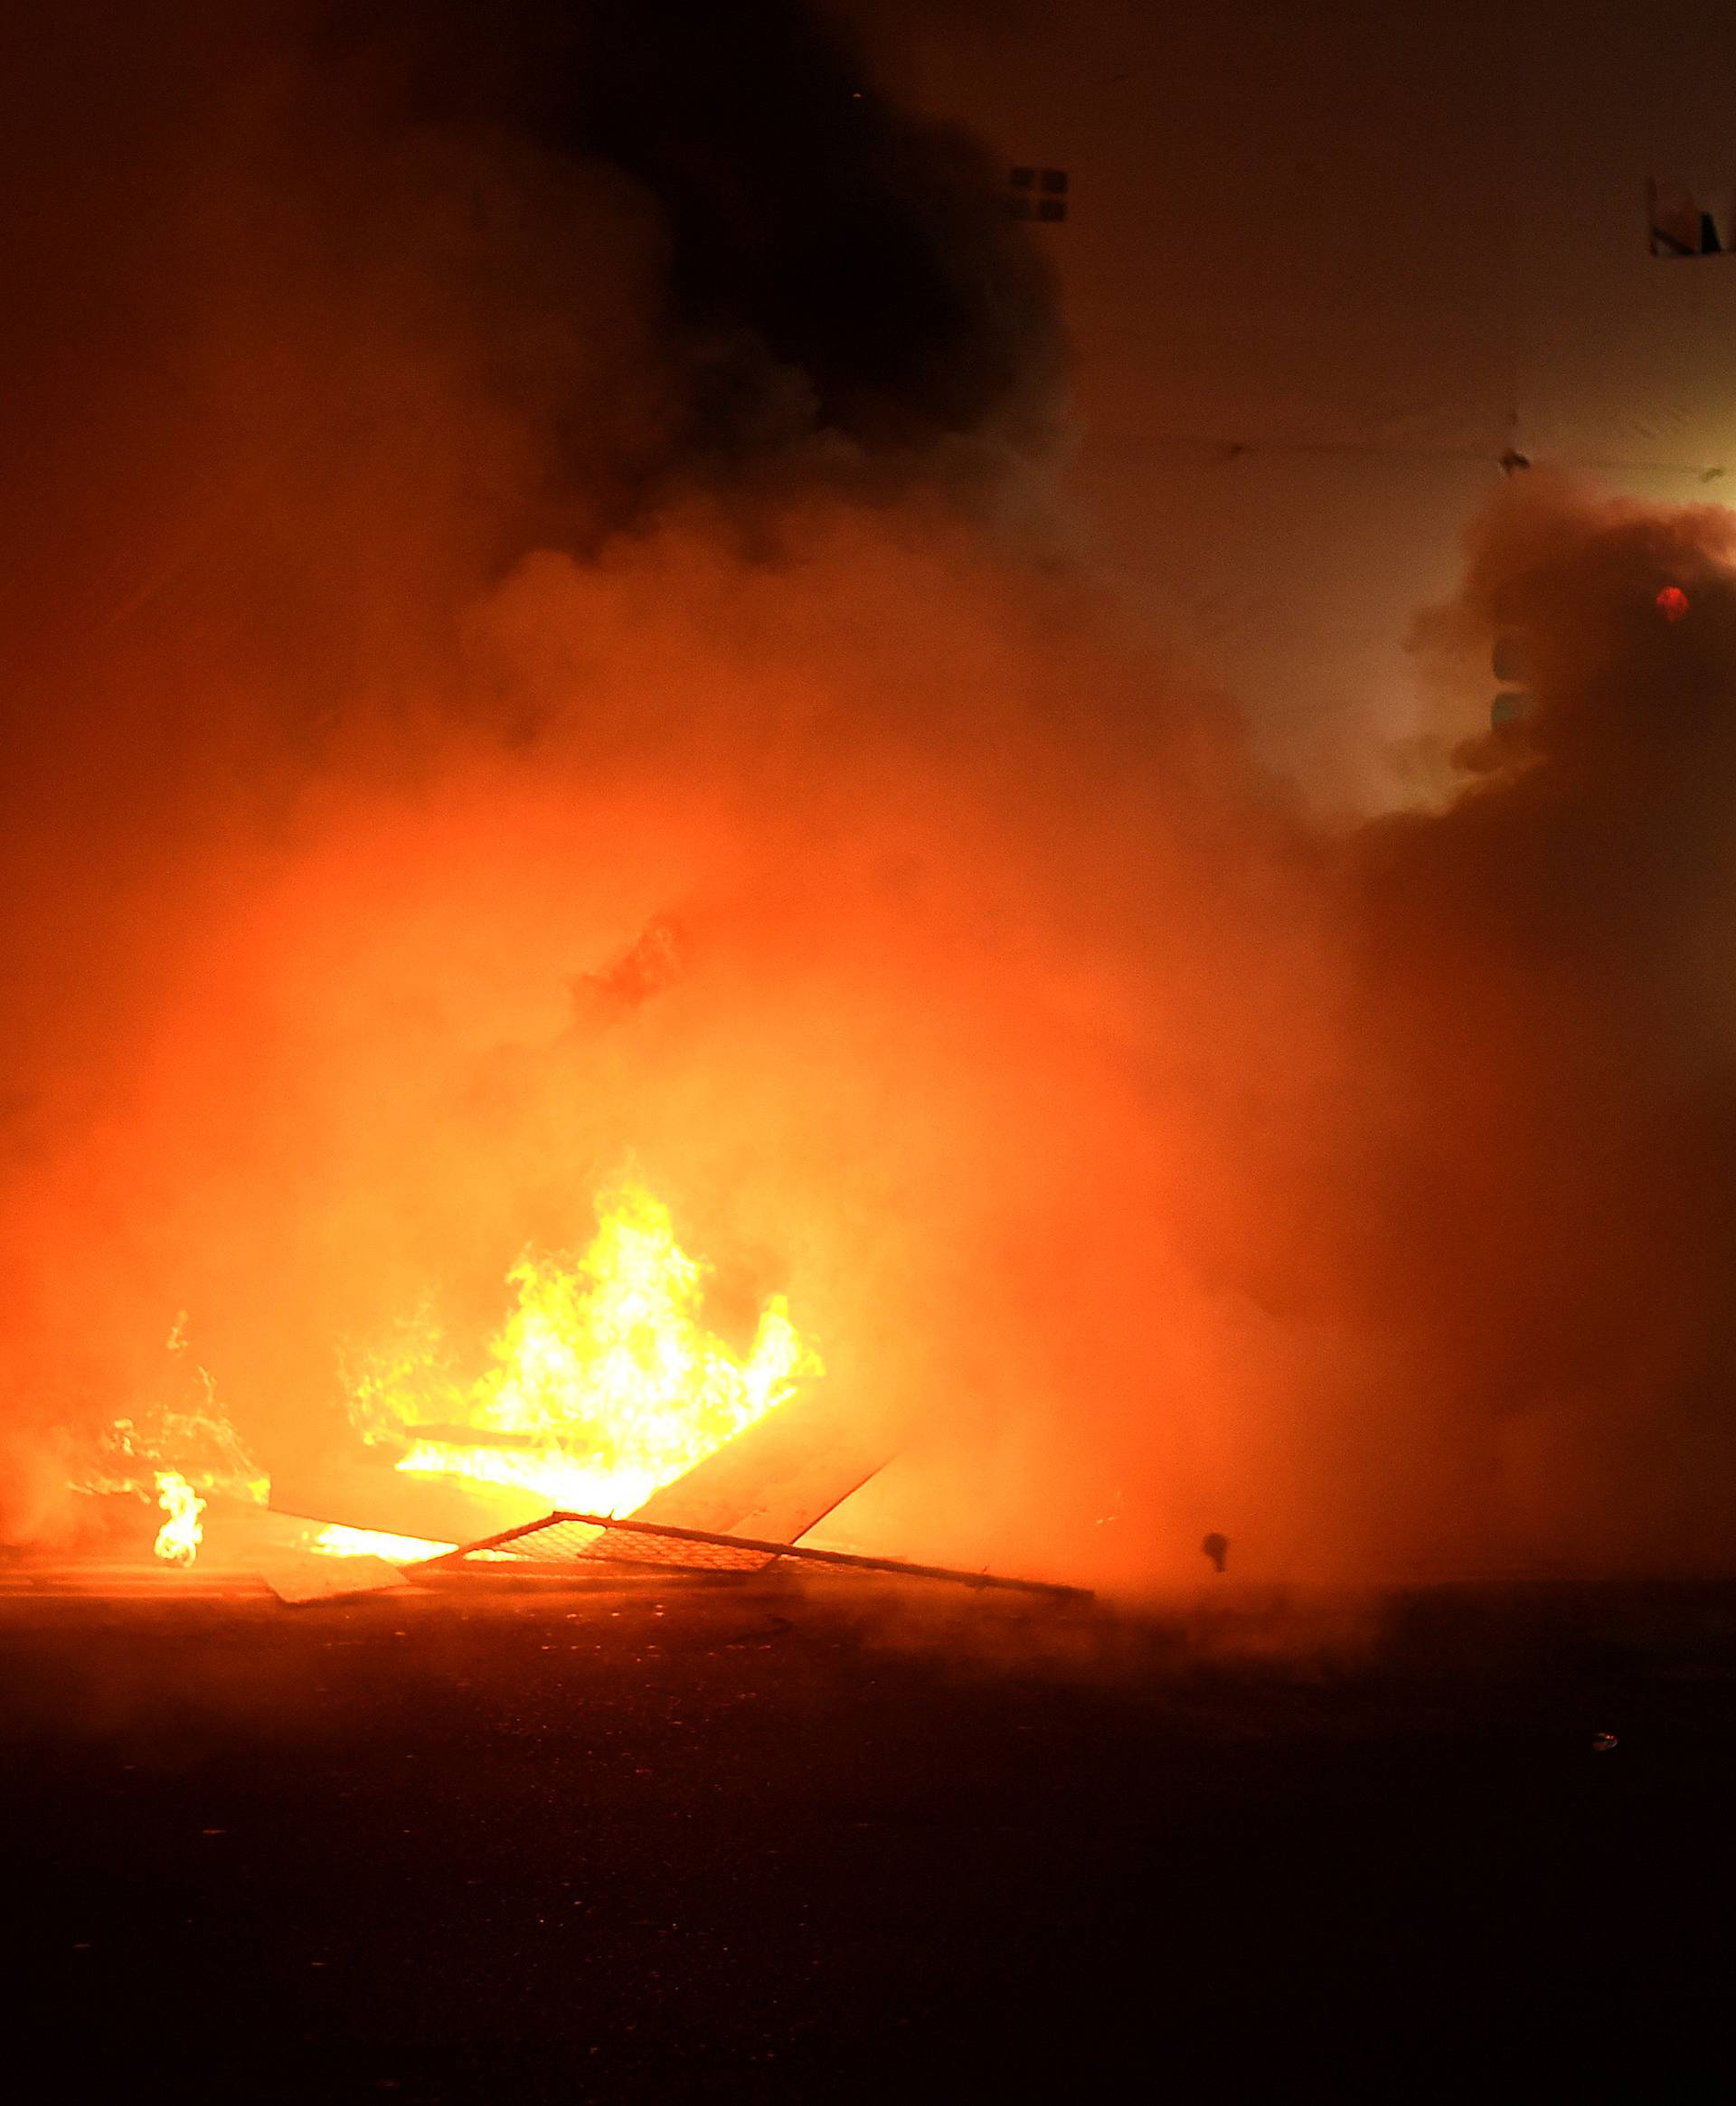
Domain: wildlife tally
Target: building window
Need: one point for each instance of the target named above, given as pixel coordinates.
(1687, 221)
(1038, 194)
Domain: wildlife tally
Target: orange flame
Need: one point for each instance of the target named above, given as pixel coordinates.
(603, 1384)
(180, 1444)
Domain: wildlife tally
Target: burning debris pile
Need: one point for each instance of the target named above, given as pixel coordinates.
(179, 1451)
(603, 1387)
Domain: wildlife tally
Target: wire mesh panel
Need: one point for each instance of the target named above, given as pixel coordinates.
(574, 1540)
(550, 1542)
(633, 1546)
(562, 1541)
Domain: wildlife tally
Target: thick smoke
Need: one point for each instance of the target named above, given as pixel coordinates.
(532, 646)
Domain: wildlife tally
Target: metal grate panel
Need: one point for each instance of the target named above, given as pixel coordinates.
(634, 1546)
(561, 1541)
(546, 1542)
(571, 1540)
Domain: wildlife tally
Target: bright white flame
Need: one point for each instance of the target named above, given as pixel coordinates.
(178, 1539)
(397, 1550)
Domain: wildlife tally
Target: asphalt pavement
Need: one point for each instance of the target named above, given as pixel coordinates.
(828, 1840)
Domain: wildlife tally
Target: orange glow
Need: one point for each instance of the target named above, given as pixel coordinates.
(602, 1384)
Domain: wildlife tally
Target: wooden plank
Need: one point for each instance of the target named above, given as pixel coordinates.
(389, 1502)
(778, 1476)
(311, 1576)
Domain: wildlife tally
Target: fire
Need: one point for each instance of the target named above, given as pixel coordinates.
(178, 1539)
(178, 1442)
(602, 1384)
(397, 1550)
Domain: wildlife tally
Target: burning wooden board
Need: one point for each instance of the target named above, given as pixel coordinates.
(777, 1477)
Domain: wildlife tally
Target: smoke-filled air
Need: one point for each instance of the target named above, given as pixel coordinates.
(549, 693)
